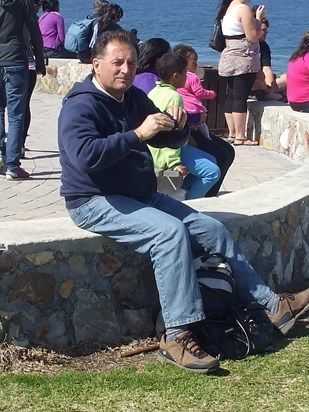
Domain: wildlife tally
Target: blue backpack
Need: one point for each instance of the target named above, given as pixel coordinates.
(78, 36)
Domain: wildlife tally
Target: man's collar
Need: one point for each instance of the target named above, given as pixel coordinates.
(98, 86)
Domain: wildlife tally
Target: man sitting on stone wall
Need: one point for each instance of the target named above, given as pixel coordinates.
(109, 186)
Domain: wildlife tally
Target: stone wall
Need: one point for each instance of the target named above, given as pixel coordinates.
(59, 293)
(61, 75)
(279, 128)
(60, 285)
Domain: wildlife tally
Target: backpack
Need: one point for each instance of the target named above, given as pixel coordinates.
(229, 331)
(217, 285)
(78, 36)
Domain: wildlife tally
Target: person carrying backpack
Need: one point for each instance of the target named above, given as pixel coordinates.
(108, 19)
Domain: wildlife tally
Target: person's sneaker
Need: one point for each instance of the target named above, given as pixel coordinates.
(185, 352)
(1, 160)
(16, 174)
(291, 307)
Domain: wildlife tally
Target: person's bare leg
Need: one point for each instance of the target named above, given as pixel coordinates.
(239, 120)
(230, 124)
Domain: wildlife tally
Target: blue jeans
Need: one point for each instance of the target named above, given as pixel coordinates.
(203, 171)
(13, 95)
(171, 233)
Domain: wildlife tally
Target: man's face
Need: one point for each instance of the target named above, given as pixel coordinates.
(115, 70)
(264, 32)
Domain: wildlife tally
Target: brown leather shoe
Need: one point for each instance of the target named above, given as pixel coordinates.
(291, 307)
(185, 352)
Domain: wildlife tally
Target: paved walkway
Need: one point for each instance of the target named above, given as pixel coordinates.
(39, 197)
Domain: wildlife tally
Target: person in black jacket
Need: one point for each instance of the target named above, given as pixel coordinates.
(32, 80)
(14, 14)
(109, 186)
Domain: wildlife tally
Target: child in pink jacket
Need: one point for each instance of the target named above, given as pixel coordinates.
(193, 92)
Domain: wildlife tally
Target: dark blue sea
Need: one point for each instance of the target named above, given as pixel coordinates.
(190, 21)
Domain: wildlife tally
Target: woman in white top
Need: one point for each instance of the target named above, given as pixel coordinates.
(239, 62)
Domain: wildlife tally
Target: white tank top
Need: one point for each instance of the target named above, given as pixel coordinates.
(230, 25)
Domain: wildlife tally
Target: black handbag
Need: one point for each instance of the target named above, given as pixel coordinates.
(217, 40)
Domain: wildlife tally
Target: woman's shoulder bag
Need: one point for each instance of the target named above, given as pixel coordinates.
(217, 40)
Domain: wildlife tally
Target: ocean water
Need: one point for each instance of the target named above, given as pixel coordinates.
(191, 22)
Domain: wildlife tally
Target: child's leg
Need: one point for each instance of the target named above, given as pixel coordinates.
(203, 128)
(203, 171)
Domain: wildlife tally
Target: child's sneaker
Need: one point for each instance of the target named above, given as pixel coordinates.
(16, 174)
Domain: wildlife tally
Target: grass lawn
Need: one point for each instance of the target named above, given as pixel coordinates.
(275, 382)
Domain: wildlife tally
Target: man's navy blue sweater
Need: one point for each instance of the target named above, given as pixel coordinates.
(100, 154)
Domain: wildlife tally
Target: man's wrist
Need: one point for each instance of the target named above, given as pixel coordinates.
(139, 135)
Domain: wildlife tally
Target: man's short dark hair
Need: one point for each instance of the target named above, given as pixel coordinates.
(107, 37)
(169, 64)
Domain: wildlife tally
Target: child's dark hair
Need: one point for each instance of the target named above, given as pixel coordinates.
(184, 50)
(169, 64)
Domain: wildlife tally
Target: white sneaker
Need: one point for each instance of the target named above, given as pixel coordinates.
(179, 194)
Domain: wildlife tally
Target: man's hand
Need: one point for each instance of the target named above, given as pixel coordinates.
(153, 124)
(41, 70)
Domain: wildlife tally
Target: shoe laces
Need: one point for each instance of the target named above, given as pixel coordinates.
(190, 344)
(287, 296)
